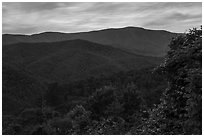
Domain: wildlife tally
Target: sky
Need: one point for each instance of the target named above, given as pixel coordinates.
(70, 17)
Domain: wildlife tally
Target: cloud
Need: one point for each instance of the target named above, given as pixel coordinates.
(35, 17)
(175, 17)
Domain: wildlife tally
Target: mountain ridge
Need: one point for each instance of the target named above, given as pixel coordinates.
(137, 40)
(128, 27)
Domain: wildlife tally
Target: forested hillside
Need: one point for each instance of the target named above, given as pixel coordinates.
(155, 99)
(73, 60)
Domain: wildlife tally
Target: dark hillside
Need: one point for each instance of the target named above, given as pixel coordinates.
(73, 60)
(20, 90)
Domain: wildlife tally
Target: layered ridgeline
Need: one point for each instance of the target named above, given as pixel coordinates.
(137, 40)
(73, 60)
(28, 61)
(56, 71)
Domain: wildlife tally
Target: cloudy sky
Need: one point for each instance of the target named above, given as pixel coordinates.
(29, 18)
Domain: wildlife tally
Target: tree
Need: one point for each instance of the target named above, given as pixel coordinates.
(100, 100)
(180, 111)
(80, 119)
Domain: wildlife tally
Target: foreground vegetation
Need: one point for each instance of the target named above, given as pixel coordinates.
(162, 100)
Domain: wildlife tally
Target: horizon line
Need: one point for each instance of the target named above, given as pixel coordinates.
(89, 31)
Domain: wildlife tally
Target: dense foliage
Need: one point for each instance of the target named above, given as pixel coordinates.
(165, 100)
(96, 101)
(180, 111)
